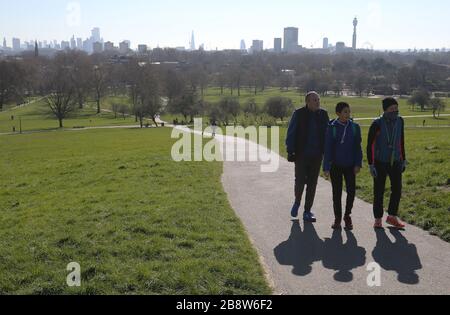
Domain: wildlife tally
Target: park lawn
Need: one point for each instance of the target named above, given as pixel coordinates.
(37, 117)
(115, 202)
(426, 192)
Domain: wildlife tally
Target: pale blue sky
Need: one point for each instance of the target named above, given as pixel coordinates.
(394, 24)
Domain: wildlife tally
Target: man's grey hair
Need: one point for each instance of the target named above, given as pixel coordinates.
(308, 95)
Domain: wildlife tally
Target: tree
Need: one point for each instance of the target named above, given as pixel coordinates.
(420, 98)
(338, 88)
(123, 109)
(12, 76)
(403, 80)
(230, 107)
(81, 75)
(216, 113)
(175, 85)
(60, 88)
(361, 83)
(149, 98)
(221, 80)
(133, 72)
(286, 81)
(184, 104)
(250, 107)
(115, 109)
(99, 82)
(279, 107)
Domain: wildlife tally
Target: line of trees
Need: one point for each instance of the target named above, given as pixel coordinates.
(178, 81)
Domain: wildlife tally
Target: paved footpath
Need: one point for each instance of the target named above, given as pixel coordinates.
(304, 258)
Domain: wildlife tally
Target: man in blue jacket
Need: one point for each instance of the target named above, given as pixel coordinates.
(305, 144)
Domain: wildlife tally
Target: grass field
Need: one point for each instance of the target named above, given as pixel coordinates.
(139, 223)
(115, 202)
(37, 117)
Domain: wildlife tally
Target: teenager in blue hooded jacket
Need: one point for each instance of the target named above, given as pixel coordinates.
(343, 160)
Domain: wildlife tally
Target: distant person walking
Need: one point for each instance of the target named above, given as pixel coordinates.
(343, 160)
(305, 146)
(387, 157)
(214, 129)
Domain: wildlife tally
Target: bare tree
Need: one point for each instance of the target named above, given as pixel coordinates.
(12, 76)
(149, 98)
(81, 75)
(132, 75)
(123, 109)
(60, 88)
(99, 81)
(230, 107)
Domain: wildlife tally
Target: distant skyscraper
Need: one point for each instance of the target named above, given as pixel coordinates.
(95, 35)
(291, 39)
(355, 24)
(243, 46)
(4, 43)
(325, 43)
(87, 45)
(79, 43)
(109, 46)
(124, 47)
(258, 46)
(192, 43)
(142, 49)
(277, 45)
(73, 43)
(16, 44)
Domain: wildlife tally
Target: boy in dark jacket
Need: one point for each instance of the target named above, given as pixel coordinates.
(343, 159)
(387, 157)
(305, 146)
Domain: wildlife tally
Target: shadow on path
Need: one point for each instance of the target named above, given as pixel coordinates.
(343, 258)
(399, 256)
(304, 248)
(301, 250)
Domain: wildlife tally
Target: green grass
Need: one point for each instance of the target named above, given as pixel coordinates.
(115, 202)
(37, 117)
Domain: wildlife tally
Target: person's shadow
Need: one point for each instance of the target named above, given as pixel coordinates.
(301, 250)
(399, 256)
(343, 257)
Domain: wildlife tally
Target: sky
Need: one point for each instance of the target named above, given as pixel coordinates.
(383, 24)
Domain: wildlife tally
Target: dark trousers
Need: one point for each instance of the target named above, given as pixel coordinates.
(307, 171)
(338, 174)
(395, 175)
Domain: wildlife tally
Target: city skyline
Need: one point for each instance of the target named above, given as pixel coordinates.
(75, 20)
